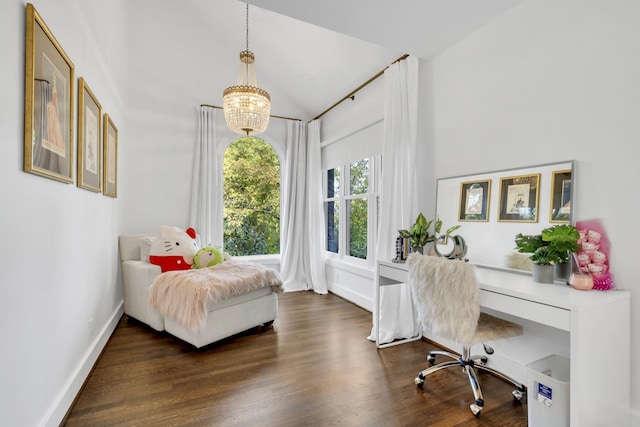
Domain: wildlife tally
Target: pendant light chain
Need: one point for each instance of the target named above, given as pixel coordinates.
(246, 65)
(247, 26)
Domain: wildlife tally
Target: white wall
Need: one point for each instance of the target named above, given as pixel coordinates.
(551, 81)
(157, 164)
(58, 257)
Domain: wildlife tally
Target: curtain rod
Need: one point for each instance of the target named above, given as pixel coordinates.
(275, 117)
(352, 94)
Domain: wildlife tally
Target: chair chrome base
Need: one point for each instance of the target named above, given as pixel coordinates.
(468, 363)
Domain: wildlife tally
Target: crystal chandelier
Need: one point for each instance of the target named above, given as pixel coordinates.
(246, 106)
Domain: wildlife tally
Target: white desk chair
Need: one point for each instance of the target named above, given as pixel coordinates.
(447, 299)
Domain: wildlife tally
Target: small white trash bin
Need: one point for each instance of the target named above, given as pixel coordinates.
(548, 392)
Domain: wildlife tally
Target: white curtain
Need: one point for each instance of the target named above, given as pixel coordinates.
(315, 207)
(302, 265)
(398, 202)
(302, 215)
(205, 214)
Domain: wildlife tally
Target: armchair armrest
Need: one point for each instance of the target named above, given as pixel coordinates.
(137, 276)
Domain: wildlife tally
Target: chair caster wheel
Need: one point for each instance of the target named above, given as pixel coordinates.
(517, 395)
(475, 409)
(419, 380)
(431, 359)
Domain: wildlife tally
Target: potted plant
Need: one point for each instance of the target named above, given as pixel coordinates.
(551, 247)
(542, 255)
(419, 234)
(563, 240)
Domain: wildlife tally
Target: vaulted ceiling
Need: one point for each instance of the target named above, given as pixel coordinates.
(309, 54)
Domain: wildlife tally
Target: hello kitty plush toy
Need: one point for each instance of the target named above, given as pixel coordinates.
(593, 258)
(174, 249)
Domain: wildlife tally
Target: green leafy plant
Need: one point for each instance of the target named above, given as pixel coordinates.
(562, 239)
(419, 233)
(552, 246)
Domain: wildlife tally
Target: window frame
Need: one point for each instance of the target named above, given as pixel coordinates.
(371, 196)
(262, 258)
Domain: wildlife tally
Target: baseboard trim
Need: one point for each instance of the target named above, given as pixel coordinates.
(59, 411)
(353, 297)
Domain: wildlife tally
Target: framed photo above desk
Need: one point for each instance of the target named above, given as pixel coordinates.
(474, 200)
(519, 197)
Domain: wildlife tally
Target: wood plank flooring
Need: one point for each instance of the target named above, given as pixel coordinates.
(313, 367)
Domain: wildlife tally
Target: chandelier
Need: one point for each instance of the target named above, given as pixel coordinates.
(246, 106)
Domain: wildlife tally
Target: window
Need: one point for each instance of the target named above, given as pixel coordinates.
(351, 228)
(251, 198)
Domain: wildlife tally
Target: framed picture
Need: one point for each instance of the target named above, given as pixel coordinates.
(560, 196)
(110, 138)
(519, 196)
(443, 239)
(474, 201)
(89, 139)
(48, 103)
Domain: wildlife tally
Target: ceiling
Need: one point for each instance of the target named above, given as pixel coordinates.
(309, 54)
(354, 39)
(422, 28)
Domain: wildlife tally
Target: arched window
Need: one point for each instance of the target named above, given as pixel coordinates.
(251, 198)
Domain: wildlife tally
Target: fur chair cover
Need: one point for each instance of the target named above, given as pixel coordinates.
(446, 296)
(184, 295)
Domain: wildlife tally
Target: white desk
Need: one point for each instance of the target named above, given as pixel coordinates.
(599, 329)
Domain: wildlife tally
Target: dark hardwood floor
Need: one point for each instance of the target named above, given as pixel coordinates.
(314, 367)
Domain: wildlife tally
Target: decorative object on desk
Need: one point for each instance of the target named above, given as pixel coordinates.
(419, 234)
(563, 240)
(550, 248)
(581, 281)
(474, 201)
(458, 248)
(543, 273)
(402, 249)
(593, 254)
(519, 197)
(560, 196)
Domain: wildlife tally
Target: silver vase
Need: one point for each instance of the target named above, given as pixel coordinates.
(543, 273)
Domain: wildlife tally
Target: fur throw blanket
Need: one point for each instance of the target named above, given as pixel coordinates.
(184, 295)
(446, 296)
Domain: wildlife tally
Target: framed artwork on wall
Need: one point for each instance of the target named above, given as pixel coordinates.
(89, 139)
(560, 196)
(110, 142)
(474, 201)
(519, 196)
(48, 103)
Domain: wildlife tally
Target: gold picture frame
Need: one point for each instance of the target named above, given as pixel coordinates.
(110, 156)
(561, 186)
(89, 139)
(519, 197)
(474, 201)
(48, 103)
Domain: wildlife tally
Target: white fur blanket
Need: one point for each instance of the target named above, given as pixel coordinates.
(184, 295)
(446, 296)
